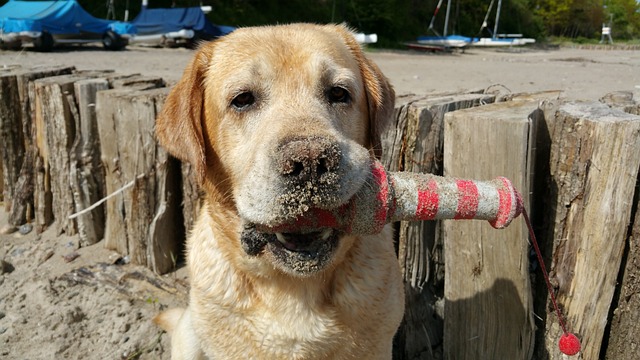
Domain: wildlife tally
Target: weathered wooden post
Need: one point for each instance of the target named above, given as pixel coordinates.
(488, 303)
(86, 172)
(624, 337)
(143, 213)
(12, 149)
(592, 173)
(191, 196)
(623, 100)
(1, 182)
(16, 133)
(415, 143)
(69, 174)
(623, 341)
(55, 130)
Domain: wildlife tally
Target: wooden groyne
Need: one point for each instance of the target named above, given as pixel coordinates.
(78, 155)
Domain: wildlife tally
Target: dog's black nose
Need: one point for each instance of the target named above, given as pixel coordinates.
(308, 158)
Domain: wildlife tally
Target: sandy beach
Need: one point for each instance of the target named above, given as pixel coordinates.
(580, 74)
(58, 300)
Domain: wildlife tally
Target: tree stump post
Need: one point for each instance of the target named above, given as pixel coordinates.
(12, 150)
(55, 130)
(623, 100)
(415, 143)
(1, 182)
(488, 303)
(143, 218)
(624, 335)
(592, 172)
(86, 172)
(392, 139)
(191, 196)
(16, 133)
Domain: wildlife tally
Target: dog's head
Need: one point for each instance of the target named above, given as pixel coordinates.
(278, 120)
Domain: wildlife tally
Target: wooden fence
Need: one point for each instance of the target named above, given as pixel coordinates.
(78, 153)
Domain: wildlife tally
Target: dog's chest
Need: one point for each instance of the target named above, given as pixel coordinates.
(284, 328)
(239, 315)
(297, 331)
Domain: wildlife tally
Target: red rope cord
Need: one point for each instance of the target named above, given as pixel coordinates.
(544, 270)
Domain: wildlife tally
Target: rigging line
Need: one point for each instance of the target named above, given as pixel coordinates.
(486, 17)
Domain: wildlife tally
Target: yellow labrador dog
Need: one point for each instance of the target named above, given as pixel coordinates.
(277, 120)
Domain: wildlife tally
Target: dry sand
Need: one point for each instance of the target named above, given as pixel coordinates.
(93, 308)
(581, 74)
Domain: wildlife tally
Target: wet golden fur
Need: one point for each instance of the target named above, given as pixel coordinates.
(251, 307)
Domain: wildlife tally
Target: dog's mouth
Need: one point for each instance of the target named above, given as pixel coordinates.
(298, 253)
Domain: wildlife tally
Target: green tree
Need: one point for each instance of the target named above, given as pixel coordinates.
(396, 21)
(624, 16)
(554, 13)
(518, 18)
(570, 18)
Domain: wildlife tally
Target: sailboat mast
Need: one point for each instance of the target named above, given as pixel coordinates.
(446, 18)
(495, 26)
(433, 18)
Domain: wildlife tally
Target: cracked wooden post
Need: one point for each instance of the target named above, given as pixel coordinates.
(625, 324)
(623, 100)
(55, 134)
(191, 196)
(488, 302)
(1, 182)
(592, 173)
(16, 133)
(414, 142)
(143, 219)
(86, 172)
(11, 136)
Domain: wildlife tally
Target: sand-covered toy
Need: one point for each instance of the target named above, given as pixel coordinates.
(394, 196)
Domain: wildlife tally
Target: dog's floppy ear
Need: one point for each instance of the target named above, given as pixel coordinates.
(381, 99)
(380, 93)
(179, 125)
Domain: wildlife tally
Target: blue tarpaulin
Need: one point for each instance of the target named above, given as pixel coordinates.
(162, 21)
(56, 17)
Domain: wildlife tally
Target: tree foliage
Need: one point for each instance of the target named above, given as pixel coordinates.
(400, 20)
(571, 18)
(624, 16)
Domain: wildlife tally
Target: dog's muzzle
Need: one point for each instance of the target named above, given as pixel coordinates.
(311, 174)
(301, 253)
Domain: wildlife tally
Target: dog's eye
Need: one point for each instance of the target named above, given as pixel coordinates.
(338, 94)
(243, 100)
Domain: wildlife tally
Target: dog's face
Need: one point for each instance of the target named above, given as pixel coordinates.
(278, 120)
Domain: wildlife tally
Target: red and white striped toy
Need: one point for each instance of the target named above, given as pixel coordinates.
(395, 196)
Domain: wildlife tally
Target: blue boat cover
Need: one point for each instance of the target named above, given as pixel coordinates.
(443, 38)
(162, 21)
(56, 17)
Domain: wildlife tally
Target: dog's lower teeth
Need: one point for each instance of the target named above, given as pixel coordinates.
(326, 233)
(281, 238)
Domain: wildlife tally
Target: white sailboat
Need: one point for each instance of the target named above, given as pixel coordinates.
(458, 41)
(444, 40)
(497, 40)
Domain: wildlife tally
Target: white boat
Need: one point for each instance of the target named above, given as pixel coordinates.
(499, 40)
(444, 40)
(449, 41)
(458, 41)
